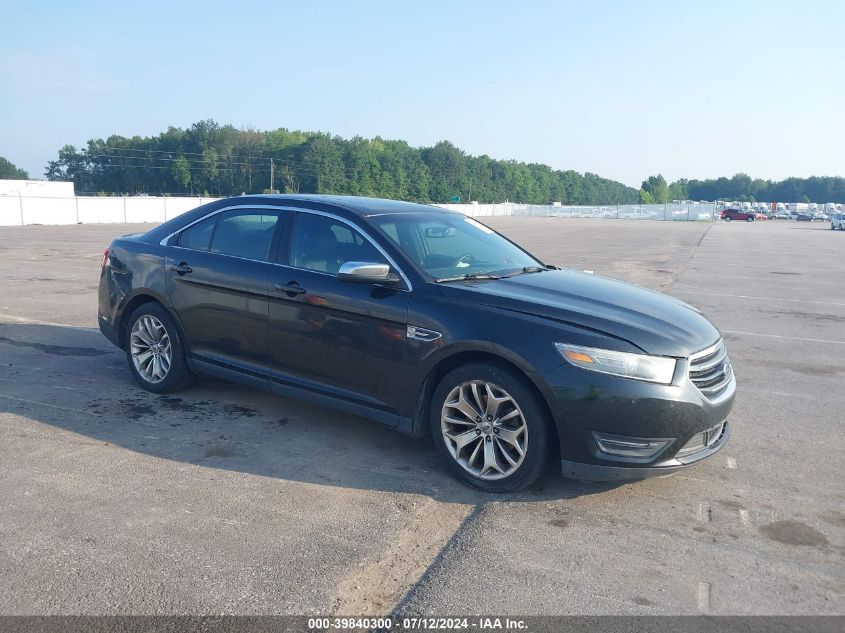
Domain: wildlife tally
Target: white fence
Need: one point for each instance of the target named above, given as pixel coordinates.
(17, 210)
(704, 211)
(20, 210)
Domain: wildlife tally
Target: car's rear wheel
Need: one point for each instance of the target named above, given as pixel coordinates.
(490, 428)
(155, 351)
(749, 219)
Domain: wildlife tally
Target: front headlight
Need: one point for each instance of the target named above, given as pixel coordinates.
(639, 366)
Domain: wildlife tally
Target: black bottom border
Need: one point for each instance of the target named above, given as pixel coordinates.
(523, 624)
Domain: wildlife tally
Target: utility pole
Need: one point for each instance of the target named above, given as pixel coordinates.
(272, 190)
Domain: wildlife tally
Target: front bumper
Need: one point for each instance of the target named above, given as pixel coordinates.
(586, 405)
(606, 472)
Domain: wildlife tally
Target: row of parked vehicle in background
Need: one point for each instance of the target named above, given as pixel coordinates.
(837, 220)
(800, 211)
(803, 216)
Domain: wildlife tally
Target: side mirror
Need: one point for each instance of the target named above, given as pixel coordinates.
(366, 272)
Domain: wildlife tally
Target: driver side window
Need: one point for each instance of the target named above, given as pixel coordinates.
(322, 244)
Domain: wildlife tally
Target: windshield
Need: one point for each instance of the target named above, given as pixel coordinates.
(450, 246)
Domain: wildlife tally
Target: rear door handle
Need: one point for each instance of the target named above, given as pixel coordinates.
(182, 269)
(292, 288)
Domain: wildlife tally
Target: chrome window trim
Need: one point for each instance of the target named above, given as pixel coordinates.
(164, 240)
(213, 213)
(243, 259)
(349, 223)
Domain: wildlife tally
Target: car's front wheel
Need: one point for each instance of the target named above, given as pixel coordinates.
(155, 351)
(728, 219)
(489, 428)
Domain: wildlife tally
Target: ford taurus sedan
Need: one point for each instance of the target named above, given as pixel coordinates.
(428, 322)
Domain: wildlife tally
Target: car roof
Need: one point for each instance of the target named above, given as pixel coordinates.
(360, 205)
(356, 205)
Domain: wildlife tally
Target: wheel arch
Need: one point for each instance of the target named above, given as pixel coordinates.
(465, 357)
(133, 303)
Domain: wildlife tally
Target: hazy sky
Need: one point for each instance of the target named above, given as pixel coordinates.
(622, 89)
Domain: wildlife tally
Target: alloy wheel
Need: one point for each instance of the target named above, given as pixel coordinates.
(484, 430)
(149, 345)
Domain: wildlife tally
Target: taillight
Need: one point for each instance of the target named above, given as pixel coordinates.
(105, 259)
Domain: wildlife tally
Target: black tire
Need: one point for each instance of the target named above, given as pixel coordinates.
(728, 219)
(538, 451)
(749, 219)
(179, 375)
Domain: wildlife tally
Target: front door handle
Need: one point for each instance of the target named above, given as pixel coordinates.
(182, 269)
(292, 288)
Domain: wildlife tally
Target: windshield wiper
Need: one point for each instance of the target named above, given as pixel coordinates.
(525, 270)
(468, 277)
(522, 271)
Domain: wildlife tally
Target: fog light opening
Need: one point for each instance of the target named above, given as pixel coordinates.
(631, 447)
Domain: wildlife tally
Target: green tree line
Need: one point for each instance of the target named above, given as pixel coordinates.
(208, 158)
(214, 159)
(743, 188)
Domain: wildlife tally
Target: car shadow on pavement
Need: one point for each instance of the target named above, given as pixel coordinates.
(73, 379)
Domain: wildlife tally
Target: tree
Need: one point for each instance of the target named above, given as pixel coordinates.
(325, 171)
(645, 197)
(181, 171)
(656, 188)
(73, 165)
(678, 190)
(287, 176)
(448, 171)
(11, 172)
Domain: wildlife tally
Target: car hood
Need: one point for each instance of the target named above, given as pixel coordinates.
(654, 322)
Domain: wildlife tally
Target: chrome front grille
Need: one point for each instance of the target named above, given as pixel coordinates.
(710, 370)
(705, 439)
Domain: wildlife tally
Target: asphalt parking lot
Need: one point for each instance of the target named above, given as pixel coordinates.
(222, 500)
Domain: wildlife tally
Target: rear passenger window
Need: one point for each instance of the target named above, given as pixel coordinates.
(245, 234)
(198, 237)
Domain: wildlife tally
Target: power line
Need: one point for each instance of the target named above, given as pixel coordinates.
(223, 158)
(163, 151)
(219, 165)
(191, 161)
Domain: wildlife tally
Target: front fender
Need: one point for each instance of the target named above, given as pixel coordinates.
(446, 358)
